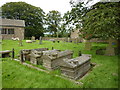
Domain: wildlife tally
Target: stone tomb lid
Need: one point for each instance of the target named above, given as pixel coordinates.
(64, 53)
(51, 54)
(72, 63)
(6, 51)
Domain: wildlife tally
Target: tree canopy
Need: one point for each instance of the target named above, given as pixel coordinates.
(33, 16)
(53, 19)
(101, 20)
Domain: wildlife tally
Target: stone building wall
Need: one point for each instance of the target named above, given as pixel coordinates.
(10, 28)
(18, 32)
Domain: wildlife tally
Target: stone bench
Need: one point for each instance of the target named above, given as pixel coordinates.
(77, 67)
(5, 53)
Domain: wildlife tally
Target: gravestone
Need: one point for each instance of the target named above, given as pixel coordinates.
(68, 39)
(33, 38)
(40, 39)
(88, 45)
(20, 43)
(110, 50)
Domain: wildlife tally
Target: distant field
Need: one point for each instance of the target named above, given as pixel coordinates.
(15, 75)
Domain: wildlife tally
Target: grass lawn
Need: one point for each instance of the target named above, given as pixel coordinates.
(16, 75)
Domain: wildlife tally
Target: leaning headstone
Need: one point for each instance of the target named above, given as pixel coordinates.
(40, 40)
(88, 45)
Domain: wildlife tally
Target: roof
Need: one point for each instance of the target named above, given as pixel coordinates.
(12, 22)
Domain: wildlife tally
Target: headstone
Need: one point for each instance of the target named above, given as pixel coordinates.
(110, 50)
(68, 39)
(20, 43)
(32, 38)
(88, 45)
(40, 40)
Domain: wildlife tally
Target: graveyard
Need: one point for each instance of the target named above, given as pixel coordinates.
(103, 74)
(74, 46)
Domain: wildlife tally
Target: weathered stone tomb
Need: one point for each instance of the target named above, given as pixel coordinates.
(77, 67)
(52, 60)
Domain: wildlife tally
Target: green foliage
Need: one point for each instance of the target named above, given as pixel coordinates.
(53, 19)
(33, 16)
(103, 20)
(100, 20)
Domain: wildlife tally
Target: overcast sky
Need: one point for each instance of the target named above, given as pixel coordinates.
(47, 5)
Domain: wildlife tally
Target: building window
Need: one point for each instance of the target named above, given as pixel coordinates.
(10, 31)
(6, 31)
(3, 31)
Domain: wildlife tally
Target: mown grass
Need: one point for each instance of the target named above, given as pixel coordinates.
(15, 75)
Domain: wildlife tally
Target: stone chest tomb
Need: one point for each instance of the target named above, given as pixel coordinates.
(51, 60)
(30, 53)
(77, 67)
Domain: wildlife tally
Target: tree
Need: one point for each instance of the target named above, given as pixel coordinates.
(33, 16)
(53, 19)
(103, 21)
